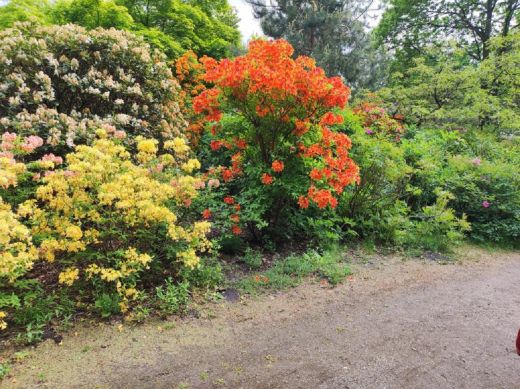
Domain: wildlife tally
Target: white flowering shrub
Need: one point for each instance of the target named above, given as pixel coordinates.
(60, 82)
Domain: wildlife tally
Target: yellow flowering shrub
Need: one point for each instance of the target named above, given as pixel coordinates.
(17, 252)
(102, 213)
(108, 221)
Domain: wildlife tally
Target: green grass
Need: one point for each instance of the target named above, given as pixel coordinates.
(291, 271)
(4, 370)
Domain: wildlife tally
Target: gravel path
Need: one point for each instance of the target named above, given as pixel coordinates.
(395, 324)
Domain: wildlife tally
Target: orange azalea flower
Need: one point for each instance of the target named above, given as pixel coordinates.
(235, 218)
(238, 207)
(229, 200)
(240, 143)
(266, 79)
(303, 202)
(316, 175)
(207, 103)
(322, 198)
(267, 179)
(215, 145)
(277, 166)
(206, 214)
(236, 230)
(331, 118)
(301, 127)
(227, 175)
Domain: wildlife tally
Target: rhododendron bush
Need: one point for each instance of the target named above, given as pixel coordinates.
(61, 82)
(278, 148)
(103, 217)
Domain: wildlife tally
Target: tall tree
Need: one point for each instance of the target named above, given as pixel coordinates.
(207, 27)
(331, 31)
(411, 25)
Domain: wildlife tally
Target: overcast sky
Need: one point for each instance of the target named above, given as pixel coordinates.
(248, 24)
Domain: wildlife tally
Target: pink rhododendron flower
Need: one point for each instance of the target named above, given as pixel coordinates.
(213, 183)
(486, 204)
(476, 161)
(9, 137)
(120, 134)
(53, 158)
(32, 142)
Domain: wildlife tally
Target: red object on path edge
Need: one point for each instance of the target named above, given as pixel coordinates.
(518, 343)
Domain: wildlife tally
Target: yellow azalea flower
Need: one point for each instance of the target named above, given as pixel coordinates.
(178, 145)
(74, 232)
(147, 145)
(100, 133)
(17, 252)
(68, 276)
(191, 165)
(3, 324)
(189, 258)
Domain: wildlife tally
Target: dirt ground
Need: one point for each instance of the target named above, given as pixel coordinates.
(394, 324)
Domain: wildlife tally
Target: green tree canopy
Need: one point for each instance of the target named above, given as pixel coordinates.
(408, 26)
(453, 94)
(91, 14)
(23, 11)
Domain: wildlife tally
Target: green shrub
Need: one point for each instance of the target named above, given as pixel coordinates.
(372, 208)
(291, 271)
(207, 277)
(172, 297)
(107, 304)
(480, 172)
(435, 228)
(4, 370)
(253, 259)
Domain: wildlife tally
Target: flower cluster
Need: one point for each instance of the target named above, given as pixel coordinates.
(334, 169)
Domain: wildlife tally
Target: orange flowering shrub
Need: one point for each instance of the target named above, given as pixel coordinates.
(278, 148)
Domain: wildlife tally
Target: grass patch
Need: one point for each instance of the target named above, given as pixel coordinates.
(4, 370)
(292, 270)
